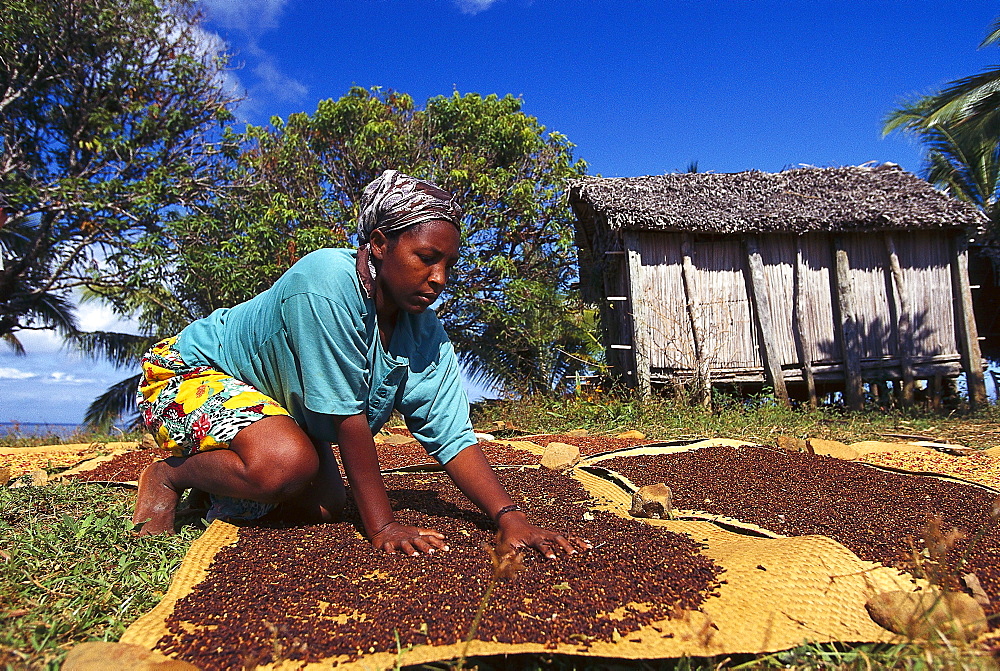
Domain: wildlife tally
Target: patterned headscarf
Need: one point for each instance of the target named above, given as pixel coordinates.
(393, 203)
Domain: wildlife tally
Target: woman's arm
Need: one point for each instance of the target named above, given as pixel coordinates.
(472, 473)
(357, 452)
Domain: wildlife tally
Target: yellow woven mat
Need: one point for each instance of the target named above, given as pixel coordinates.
(23, 460)
(978, 467)
(778, 593)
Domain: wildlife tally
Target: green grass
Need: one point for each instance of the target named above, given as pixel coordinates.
(71, 569)
(758, 419)
(81, 435)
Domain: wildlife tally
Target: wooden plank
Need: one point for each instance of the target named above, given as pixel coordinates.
(640, 326)
(904, 329)
(800, 320)
(854, 393)
(704, 380)
(965, 322)
(758, 295)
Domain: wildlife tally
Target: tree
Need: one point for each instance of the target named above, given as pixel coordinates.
(510, 310)
(111, 125)
(960, 129)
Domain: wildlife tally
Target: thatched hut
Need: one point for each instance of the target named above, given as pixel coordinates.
(808, 279)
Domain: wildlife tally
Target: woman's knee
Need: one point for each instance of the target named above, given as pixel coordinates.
(280, 460)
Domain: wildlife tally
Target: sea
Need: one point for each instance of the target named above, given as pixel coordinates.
(37, 429)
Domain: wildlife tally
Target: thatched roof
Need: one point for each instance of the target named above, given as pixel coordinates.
(804, 199)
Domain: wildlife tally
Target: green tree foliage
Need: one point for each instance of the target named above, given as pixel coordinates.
(111, 125)
(960, 129)
(510, 308)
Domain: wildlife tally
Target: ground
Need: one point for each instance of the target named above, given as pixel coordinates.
(72, 570)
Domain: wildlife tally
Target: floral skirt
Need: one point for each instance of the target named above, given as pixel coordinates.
(191, 409)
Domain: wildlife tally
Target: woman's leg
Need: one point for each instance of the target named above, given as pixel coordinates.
(269, 461)
(324, 499)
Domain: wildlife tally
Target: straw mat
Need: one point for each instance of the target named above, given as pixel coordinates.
(777, 593)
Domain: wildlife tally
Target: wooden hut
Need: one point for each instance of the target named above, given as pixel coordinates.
(808, 280)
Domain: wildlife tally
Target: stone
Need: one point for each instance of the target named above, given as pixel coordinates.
(396, 439)
(578, 433)
(792, 444)
(632, 435)
(869, 446)
(147, 442)
(928, 614)
(4, 475)
(560, 456)
(832, 448)
(38, 478)
(653, 501)
(102, 655)
(485, 436)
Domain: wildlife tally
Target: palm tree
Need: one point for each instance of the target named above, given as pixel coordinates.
(25, 301)
(970, 104)
(960, 128)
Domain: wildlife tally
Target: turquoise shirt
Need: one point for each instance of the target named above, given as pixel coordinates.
(311, 343)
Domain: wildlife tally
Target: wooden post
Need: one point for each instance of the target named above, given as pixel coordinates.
(704, 380)
(640, 341)
(904, 329)
(800, 313)
(854, 392)
(758, 294)
(965, 322)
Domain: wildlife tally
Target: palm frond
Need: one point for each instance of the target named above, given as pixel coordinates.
(993, 36)
(117, 400)
(121, 349)
(14, 343)
(55, 311)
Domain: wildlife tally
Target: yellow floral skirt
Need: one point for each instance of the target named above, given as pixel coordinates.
(191, 409)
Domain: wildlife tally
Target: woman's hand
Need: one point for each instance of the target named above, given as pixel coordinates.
(396, 537)
(516, 532)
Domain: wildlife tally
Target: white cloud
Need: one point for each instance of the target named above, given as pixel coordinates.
(273, 84)
(92, 316)
(473, 7)
(60, 377)
(15, 374)
(249, 16)
(261, 82)
(39, 342)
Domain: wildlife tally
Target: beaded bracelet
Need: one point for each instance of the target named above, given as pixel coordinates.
(506, 509)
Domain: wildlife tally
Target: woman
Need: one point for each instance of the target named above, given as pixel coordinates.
(250, 398)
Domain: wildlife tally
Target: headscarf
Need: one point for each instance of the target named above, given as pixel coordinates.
(393, 203)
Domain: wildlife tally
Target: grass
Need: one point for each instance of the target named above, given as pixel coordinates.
(757, 419)
(71, 569)
(15, 438)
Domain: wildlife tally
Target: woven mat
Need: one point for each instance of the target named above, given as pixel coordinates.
(779, 593)
(23, 460)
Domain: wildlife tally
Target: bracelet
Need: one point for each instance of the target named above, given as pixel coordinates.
(506, 509)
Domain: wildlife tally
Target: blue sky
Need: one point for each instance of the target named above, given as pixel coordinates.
(640, 86)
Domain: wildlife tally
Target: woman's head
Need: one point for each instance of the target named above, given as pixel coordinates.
(408, 232)
(395, 202)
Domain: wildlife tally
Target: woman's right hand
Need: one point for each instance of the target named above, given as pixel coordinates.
(396, 537)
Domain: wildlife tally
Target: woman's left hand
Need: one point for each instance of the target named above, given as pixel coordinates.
(516, 532)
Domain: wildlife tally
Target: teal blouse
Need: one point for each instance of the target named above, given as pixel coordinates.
(311, 343)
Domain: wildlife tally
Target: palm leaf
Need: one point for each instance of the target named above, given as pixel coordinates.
(14, 343)
(117, 400)
(121, 349)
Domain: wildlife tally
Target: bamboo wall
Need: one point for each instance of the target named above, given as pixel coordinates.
(790, 309)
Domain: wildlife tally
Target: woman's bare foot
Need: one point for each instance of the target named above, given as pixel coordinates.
(156, 501)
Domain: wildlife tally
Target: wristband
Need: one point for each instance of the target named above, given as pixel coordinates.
(506, 509)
